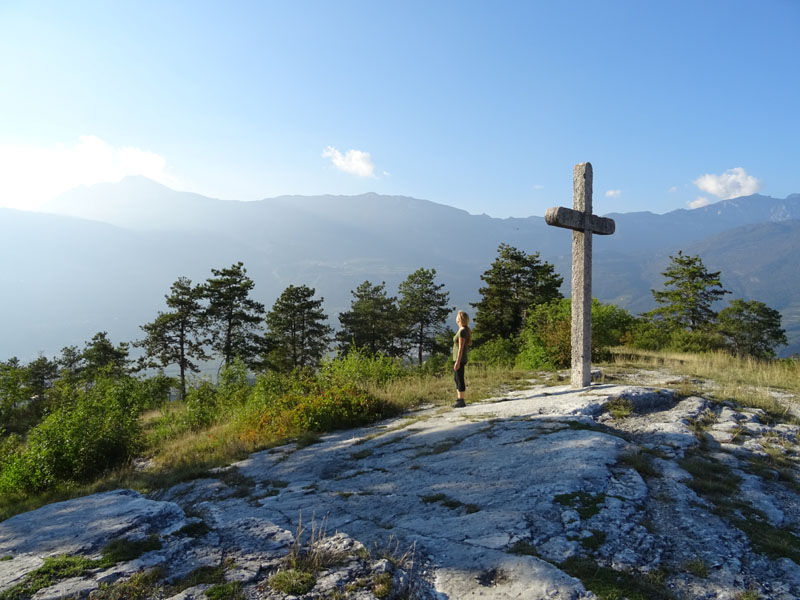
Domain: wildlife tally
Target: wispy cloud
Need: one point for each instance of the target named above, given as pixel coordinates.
(673, 189)
(354, 162)
(538, 186)
(31, 175)
(730, 184)
(701, 201)
(613, 193)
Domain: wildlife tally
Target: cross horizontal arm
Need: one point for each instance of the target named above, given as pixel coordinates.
(568, 218)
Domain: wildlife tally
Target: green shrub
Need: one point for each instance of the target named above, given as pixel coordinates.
(234, 387)
(359, 367)
(646, 334)
(695, 341)
(546, 337)
(153, 392)
(76, 443)
(499, 352)
(202, 409)
(325, 408)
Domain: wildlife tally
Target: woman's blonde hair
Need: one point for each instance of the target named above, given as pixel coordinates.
(463, 320)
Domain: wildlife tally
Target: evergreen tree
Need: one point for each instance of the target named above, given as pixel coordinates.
(178, 336)
(41, 374)
(372, 323)
(13, 394)
(751, 328)
(297, 333)
(689, 291)
(423, 309)
(100, 355)
(515, 282)
(232, 317)
(71, 363)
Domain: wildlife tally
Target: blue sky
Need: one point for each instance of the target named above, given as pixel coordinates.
(485, 106)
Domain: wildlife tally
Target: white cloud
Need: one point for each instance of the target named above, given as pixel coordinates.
(354, 162)
(673, 189)
(731, 184)
(613, 193)
(31, 175)
(701, 201)
(538, 187)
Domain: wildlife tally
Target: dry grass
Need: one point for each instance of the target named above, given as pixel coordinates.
(718, 366)
(482, 382)
(747, 381)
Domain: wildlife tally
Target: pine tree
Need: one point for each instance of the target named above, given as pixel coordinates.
(178, 336)
(372, 323)
(423, 309)
(751, 328)
(297, 333)
(515, 282)
(101, 356)
(689, 291)
(232, 317)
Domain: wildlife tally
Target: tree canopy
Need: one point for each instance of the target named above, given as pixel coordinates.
(297, 333)
(423, 308)
(232, 317)
(373, 322)
(751, 328)
(178, 336)
(688, 294)
(515, 282)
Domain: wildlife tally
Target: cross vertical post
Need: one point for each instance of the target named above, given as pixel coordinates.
(582, 278)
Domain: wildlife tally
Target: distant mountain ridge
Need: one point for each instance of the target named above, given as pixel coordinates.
(104, 256)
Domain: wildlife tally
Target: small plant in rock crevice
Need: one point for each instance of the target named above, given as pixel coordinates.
(585, 504)
(225, 591)
(697, 567)
(620, 407)
(293, 582)
(641, 463)
(524, 548)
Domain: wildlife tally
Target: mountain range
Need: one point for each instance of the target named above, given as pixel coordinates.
(103, 257)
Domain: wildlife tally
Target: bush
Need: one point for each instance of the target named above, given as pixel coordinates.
(153, 392)
(234, 387)
(695, 341)
(201, 406)
(546, 339)
(648, 335)
(498, 352)
(76, 443)
(335, 406)
(359, 367)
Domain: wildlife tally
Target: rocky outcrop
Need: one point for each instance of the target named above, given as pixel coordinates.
(528, 495)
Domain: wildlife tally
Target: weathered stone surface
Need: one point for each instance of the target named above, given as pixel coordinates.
(102, 517)
(465, 497)
(75, 587)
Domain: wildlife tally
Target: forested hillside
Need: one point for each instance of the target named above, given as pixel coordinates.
(66, 278)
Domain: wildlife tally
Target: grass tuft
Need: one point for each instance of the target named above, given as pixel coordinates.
(620, 407)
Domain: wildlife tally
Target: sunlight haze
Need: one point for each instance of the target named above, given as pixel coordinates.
(480, 106)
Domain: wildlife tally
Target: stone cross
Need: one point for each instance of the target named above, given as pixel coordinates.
(583, 224)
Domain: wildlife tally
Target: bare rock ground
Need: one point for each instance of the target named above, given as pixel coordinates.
(533, 494)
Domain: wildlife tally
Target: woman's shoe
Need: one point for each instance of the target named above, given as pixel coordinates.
(460, 403)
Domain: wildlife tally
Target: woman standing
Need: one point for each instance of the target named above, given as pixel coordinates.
(462, 340)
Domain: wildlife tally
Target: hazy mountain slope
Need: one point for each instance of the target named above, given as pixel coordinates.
(649, 231)
(66, 278)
